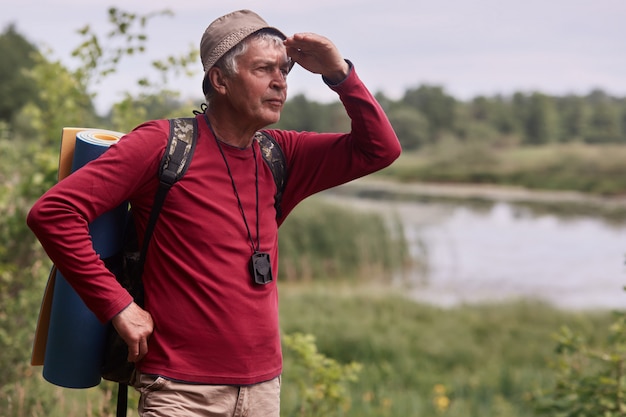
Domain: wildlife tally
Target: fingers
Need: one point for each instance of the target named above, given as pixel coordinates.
(133, 352)
(308, 44)
(134, 325)
(143, 348)
(316, 54)
(136, 351)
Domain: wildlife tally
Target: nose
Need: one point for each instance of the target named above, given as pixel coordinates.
(279, 79)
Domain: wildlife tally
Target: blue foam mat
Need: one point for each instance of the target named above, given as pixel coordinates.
(76, 337)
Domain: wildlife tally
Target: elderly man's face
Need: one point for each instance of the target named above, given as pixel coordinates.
(259, 89)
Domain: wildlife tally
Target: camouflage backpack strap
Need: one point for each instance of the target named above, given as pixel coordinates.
(176, 159)
(180, 146)
(275, 158)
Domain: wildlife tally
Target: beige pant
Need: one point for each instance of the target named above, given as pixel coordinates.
(161, 397)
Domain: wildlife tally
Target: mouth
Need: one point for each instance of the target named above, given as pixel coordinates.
(275, 102)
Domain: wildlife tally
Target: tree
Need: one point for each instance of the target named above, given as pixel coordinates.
(132, 111)
(605, 119)
(495, 111)
(61, 100)
(15, 88)
(435, 105)
(300, 113)
(410, 125)
(504, 119)
(541, 124)
(100, 59)
(574, 113)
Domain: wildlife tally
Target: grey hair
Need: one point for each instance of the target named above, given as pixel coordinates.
(228, 62)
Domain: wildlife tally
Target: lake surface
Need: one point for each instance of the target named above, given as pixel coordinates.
(502, 252)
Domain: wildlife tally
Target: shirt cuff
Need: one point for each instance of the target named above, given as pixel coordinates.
(327, 81)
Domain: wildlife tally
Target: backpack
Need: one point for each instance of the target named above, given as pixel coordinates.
(128, 265)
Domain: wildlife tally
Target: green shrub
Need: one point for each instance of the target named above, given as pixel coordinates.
(321, 381)
(590, 380)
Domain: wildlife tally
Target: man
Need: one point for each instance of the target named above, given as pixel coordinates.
(207, 342)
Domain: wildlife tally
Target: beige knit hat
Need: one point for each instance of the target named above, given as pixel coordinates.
(225, 33)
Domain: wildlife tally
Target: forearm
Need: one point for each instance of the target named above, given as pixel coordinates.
(371, 133)
(64, 235)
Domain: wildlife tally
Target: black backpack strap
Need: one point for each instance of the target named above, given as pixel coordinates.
(176, 159)
(275, 158)
(122, 400)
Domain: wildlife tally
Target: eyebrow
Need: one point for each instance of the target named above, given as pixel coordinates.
(289, 63)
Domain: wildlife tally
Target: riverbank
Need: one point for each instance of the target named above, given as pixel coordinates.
(563, 203)
(593, 169)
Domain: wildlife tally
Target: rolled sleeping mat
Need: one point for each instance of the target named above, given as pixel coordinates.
(75, 339)
(107, 230)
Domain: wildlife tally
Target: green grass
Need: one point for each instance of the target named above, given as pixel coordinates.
(321, 240)
(487, 359)
(595, 169)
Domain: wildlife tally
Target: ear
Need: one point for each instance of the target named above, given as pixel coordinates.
(217, 80)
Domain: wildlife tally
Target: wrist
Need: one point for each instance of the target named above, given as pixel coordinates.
(338, 76)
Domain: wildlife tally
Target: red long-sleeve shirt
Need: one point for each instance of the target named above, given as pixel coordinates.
(212, 324)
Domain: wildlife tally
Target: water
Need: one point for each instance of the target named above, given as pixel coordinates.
(504, 252)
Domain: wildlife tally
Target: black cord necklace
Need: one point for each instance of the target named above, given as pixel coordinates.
(260, 265)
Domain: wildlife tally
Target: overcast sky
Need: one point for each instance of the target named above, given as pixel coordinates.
(470, 47)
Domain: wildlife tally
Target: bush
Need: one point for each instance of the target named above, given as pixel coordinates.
(590, 380)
